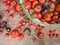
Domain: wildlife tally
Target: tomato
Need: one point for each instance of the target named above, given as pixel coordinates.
(27, 5)
(35, 40)
(37, 26)
(31, 0)
(20, 36)
(7, 11)
(39, 16)
(14, 33)
(18, 7)
(5, 3)
(6, 34)
(34, 3)
(37, 8)
(31, 25)
(8, 1)
(42, 1)
(47, 18)
(13, 3)
(11, 16)
(41, 35)
(51, 35)
(58, 8)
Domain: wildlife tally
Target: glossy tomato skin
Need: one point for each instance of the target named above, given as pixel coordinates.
(20, 36)
(14, 33)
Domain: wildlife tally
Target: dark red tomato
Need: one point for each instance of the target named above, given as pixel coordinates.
(20, 36)
(14, 33)
(58, 7)
(41, 35)
(27, 5)
(11, 16)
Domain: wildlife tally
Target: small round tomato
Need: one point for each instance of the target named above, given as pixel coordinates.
(5, 3)
(42, 1)
(7, 11)
(13, 3)
(6, 34)
(31, 25)
(37, 8)
(34, 3)
(58, 7)
(18, 7)
(8, 1)
(27, 5)
(35, 40)
(39, 16)
(20, 36)
(41, 35)
(31, 0)
(11, 16)
(14, 33)
(51, 35)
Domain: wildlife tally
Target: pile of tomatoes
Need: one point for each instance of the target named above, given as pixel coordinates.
(45, 10)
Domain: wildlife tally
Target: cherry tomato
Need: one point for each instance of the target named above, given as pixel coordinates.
(42, 1)
(14, 33)
(41, 35)
(27, 5)
(6, 34)
(31, 0)
(34, 3)
(37, 8)
(31, 25)
(39, 16)
(7, 11)
(13, 3)
(5, 3)
(35, 40)
(58, 7)
(18, 7)
(20, 36)
(11, 16)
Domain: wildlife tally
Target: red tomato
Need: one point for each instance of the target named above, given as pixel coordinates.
(11, 16)
(13, 3)
(7, 11)
(8, 1)
(18, 7)
(34, 3)
(27, 5)
(14, 34)
(35, 40)
(5, 3)
(37, 8)
(51, 35)
(31, 0)
(42, 1)
(20, 36)
(32, 25)
(39, 16)
(41, 35)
